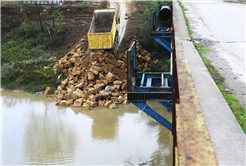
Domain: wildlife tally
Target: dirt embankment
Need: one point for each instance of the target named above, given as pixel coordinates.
(76, 19)
(132, 30)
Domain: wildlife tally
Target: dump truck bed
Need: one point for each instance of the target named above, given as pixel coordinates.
(102, 31)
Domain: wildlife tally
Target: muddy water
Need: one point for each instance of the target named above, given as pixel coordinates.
(35, 131)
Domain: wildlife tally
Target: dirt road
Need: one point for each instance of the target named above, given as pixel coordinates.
(127, 30)
(221, 27)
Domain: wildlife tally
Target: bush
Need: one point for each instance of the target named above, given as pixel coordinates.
(9, 23)
(31, 30)
(7, 71)
(29, 75)
(25, 50)
(27, 42)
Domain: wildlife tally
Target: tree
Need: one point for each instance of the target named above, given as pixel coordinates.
(37, 3)
(25, 8)
(58, 16)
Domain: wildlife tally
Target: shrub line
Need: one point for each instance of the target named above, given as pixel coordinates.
(25, 53)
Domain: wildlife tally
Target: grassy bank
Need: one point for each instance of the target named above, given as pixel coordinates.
(238, 110)
(3, 3)
(25, 53)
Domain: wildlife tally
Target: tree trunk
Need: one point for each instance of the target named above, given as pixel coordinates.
(53, 22)
(51, 14)
(38, 6)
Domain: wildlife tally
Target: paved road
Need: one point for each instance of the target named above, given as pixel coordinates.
(228, 138)
(221, 27)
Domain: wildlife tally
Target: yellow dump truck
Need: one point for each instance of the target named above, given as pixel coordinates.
(103, 33)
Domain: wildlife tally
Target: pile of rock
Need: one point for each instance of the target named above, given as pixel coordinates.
(144, 55)
(96, 79)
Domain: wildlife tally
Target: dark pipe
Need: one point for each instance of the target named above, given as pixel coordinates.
(165, 13)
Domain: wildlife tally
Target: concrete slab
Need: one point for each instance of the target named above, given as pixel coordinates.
(227, 136)
(184, 34)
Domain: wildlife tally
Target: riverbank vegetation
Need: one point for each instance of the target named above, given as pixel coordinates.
(238, 110)
(10, 3)
(25, 53)
(160, 56)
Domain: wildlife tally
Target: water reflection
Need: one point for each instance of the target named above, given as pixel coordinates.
(105, 121)
(11, 99)
(161, 156)
(35, 131)
(49, 139)
(105, 124)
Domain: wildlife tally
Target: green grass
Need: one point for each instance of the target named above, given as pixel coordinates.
(27, 42)
(80, 3)
(3, 3)
(238, 110)
(25, 50)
